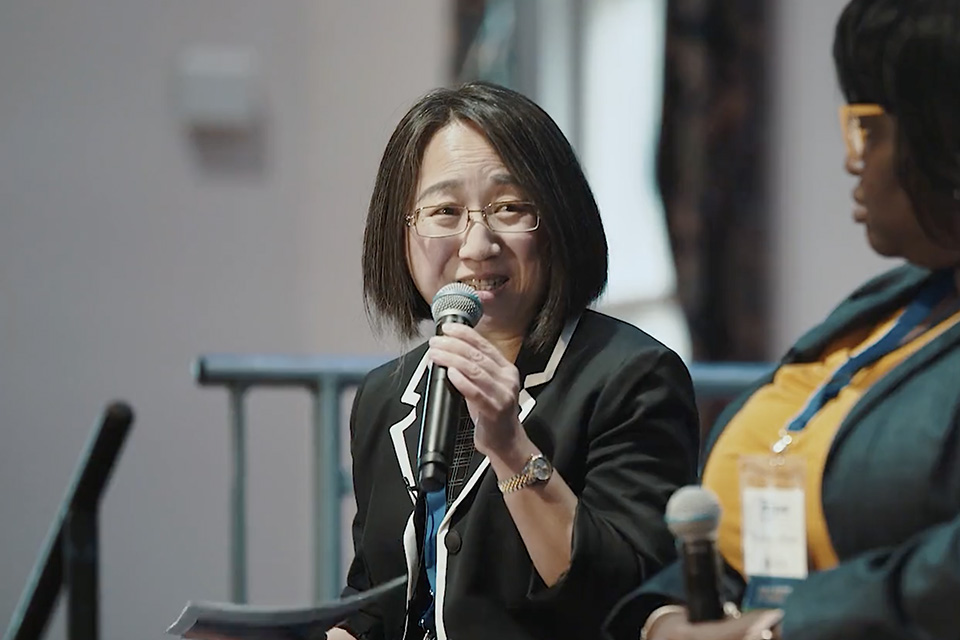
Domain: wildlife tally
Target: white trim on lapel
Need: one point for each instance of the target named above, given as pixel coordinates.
(398, 430)
(527, 402)
(397, 435)
(410, 552)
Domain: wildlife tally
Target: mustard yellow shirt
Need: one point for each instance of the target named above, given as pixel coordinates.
(757, 426)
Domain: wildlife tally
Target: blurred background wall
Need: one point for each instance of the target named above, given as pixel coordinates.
(129, 245)
(819, 254)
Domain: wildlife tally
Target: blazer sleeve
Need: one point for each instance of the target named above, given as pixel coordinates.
(908, 591)
(366, 624)
(642, 442)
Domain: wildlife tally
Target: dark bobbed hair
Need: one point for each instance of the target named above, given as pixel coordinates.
(905, 56)
(539, 158)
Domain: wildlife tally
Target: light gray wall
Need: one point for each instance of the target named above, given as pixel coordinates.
(820, 255)
(122, 256)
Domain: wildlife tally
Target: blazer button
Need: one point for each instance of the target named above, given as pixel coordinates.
(452, 541)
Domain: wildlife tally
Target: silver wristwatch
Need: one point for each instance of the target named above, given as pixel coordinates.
(537, 470)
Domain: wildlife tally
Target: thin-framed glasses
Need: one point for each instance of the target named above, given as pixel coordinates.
(443, 220)
(851, 125)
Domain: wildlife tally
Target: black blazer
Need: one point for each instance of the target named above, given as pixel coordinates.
(891, 493)
(611, 407)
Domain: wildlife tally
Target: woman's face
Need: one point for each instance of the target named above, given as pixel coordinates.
(459, 167)
(883, 206)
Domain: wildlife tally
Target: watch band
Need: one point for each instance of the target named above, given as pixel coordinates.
(513, 483)
(537, 470)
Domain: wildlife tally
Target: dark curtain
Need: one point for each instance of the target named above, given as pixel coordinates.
(484, 45)
(711, 162)
(712, 172)
(468, 16)
(711, 159)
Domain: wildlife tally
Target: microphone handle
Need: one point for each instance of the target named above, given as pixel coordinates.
(701, 576)
(439, 431)
(439, 426)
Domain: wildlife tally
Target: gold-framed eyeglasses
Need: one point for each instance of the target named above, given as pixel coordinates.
(851, 125)
(443, 220)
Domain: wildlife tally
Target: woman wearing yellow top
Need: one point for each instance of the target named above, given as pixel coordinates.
(839, 475)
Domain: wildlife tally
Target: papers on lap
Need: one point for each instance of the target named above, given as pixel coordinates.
(229, 621)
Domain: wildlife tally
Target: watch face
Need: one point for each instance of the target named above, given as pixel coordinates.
(541, 469)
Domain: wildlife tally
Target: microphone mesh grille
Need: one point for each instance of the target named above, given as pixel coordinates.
(693, 513)
(461, 297)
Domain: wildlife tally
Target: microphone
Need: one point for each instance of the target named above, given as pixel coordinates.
(693, 515)
(455, 302)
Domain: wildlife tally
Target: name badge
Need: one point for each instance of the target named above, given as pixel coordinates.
(773, 512)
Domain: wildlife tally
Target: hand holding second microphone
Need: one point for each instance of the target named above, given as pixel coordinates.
(754, 625)
(693, 516)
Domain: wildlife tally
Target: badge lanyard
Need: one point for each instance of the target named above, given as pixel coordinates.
(940, 285)
(773, 506)
(436, 504)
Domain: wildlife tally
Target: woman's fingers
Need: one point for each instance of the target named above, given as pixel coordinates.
(475, 381)
(489, 383)
(470, 336)
(450, 356)
(467, 388)
(479, 361)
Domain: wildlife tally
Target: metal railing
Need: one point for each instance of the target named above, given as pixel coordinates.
(325, 379)
(70, 555)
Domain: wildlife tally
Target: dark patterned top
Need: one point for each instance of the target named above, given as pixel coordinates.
(463, 454)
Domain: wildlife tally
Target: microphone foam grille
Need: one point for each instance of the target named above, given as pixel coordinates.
(461, 297)
(693, 513)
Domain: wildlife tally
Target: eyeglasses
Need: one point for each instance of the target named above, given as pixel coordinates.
(854, 134)
(443, 220)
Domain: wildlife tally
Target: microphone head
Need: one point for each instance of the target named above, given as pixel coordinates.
(460, 299)
(693, 514)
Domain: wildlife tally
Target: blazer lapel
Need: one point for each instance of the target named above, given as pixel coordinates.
(405, 433)
(865, 306)
(882, 388)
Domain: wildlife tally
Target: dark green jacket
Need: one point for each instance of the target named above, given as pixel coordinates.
(891, 494)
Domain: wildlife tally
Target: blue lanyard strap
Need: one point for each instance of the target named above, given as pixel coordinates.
(937, 288)
(436, 503)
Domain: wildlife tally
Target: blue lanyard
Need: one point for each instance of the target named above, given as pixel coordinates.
(436, 503)
(939, 286)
